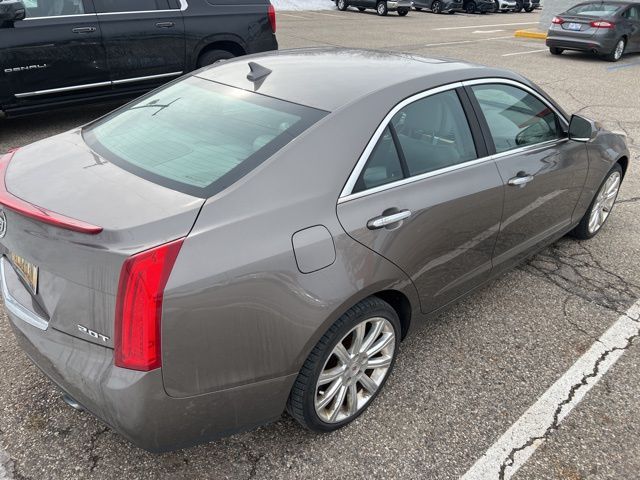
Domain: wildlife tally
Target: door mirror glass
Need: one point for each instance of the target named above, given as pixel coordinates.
(11, 11)
(581, 129)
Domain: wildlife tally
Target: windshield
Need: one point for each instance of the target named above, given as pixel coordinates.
(198, 136)
(594, 9)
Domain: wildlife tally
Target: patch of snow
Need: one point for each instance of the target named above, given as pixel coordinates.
(282, 5)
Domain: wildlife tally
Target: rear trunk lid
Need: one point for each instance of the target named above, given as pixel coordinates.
(78, 273)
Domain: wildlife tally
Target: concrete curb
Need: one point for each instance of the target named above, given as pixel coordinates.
(531, 34)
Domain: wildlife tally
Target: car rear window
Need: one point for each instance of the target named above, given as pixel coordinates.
(594, 9)
(198, 136)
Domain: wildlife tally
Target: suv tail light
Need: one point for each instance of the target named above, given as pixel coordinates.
(272, 18)
(139, 307)
(602, 24)
(30, 210)
(557, 20)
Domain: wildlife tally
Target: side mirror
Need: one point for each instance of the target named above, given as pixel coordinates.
(582, 129)
(12, 10)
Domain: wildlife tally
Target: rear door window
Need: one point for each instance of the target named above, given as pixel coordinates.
(198, 136)
(115, 6)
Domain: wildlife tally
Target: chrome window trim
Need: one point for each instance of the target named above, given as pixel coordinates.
(17, 308)
(95, 85)
(452, 168)
(183, 7)
(346, 193)
(60, 16)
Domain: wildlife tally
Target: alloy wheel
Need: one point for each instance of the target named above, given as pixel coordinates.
(436, 7)
(355, 369)
(617, 54)
(604, 202)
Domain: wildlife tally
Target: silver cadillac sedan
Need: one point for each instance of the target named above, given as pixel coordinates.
(260, 235)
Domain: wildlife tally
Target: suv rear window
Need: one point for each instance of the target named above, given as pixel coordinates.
(198, 136)
(595, 9)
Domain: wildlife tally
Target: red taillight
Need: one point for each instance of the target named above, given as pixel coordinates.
(30, 210)
(272, 18)
(602, 24)
(557, 20)
(139, 307)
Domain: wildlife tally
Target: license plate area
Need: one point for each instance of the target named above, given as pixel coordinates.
(574, 26)
(27, 271)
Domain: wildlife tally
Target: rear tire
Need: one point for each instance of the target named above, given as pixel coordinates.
(436, 7)
(213, 56)
(336, 357)
(519, 6)
(555, 50)
(583, 230)
(618, 51)
(381, 8)
(342, 5)
(470, 7)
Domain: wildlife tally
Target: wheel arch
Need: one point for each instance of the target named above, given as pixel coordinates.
(401, 304)
(229, 43)
(624, 164)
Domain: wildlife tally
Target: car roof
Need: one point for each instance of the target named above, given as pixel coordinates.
(329, 78)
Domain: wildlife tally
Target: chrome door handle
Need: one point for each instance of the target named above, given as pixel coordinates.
(165, 24)
(520, 180)
(384, 220)
(84, 30)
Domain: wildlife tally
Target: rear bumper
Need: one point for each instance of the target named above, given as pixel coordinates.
(593, 44)
(395, 5)
(135, 404)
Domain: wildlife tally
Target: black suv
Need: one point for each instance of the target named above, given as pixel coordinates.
(64, 52)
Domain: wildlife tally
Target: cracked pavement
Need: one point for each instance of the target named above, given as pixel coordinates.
(463, 378)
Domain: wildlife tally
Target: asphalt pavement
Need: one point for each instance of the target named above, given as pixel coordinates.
(461, 380)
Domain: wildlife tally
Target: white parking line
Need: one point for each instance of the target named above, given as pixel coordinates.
(524, 53)
(460, 42)
(292, 15)
(331, 15)
(487, 31)
(513, 449)
(487, 26)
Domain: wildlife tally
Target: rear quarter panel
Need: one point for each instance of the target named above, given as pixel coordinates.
(237, 310)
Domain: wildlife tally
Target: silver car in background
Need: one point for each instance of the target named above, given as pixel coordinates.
(251, 238)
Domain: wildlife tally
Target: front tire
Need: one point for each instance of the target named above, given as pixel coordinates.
(403, 11)
(470, 7)
(381, 8)
(436, 7)
(601, 205)
(618, 51)
(347, 368)
(213, 56)
(519, 6)
(342, 5)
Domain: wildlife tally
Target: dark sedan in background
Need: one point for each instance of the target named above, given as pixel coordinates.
(439, 6)
(609, 29)
(65, 52)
